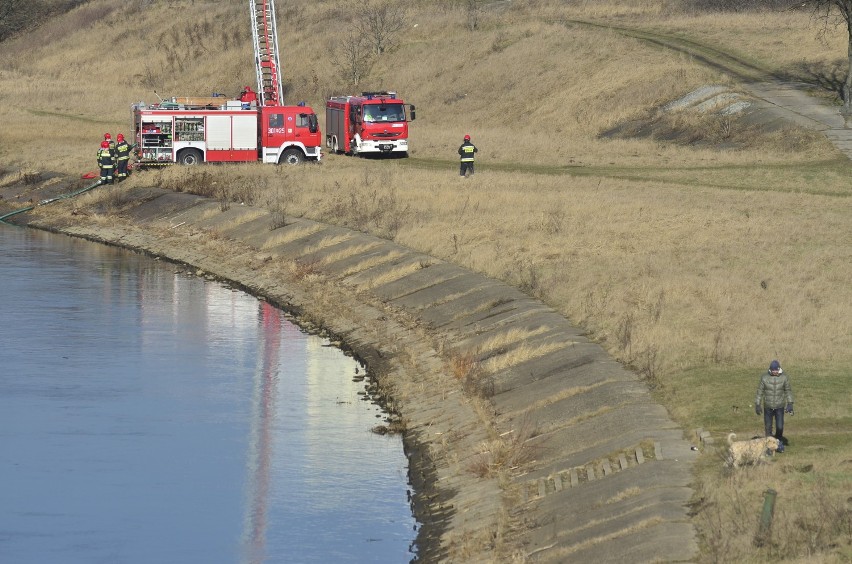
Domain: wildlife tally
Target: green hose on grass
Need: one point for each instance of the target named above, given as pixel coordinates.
(10, 214)
(51, 200)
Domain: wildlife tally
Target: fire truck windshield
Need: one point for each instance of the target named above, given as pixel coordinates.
(384, 113)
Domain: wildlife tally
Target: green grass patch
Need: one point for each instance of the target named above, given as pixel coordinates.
(723, 401)
(826, 178)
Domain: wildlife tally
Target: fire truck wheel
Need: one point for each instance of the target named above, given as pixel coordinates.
(189, 157)
(292, 157)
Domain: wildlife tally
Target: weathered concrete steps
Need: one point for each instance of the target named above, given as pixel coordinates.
(790, 102)
(598, 470)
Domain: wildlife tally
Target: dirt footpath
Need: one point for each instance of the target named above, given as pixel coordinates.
(526, 442)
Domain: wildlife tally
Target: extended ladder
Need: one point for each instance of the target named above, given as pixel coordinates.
(265, 33)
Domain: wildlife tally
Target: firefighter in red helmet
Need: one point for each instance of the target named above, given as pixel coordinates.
(108, 139)
(466, 153)
(247, 96)
(106, 163)
(122, 157)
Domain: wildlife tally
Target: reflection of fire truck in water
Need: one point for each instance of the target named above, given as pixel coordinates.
(257, 127)
(374, 122)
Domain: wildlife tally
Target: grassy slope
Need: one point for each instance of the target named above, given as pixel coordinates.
(659, 249)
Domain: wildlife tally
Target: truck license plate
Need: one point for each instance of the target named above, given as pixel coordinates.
(386, 147)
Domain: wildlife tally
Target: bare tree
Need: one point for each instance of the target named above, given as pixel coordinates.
(837, 12)
(352, 58)
(380, 22)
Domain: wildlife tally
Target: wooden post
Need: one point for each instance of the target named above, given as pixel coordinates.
(765, 530)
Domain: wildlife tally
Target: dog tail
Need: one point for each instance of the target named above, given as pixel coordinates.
(731, 437)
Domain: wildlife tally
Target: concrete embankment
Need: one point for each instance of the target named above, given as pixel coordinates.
(526, 441)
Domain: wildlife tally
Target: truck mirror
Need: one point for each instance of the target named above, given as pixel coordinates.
(412, 113)
(313, 125)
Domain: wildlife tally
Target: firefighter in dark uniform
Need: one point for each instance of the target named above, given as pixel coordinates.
(466, 153)
(106, 163)
(122, 157)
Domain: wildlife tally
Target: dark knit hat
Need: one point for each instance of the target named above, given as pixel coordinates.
(774, 365)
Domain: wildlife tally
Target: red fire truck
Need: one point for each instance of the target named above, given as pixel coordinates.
(257, 127)
(194, 130)
(372, 123)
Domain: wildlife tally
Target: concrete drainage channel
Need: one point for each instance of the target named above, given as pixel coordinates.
(600, 471)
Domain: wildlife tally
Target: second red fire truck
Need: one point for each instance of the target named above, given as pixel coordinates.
(372, 123)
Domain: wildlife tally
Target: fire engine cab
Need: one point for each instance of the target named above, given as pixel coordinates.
(193, 130)
(374, 122)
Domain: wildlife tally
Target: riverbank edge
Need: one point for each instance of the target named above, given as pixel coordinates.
(399, 356)
(531, 462)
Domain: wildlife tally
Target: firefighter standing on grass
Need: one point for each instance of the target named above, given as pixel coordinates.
(466, 153)
(122, 157)
(106, 163)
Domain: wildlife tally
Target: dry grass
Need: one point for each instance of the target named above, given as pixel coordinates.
(328, 241)
(564, 553)
(737, 271)
(563, 395)
(499, 342)
(391, 275)
(348, 252)
(812, 520)
(291, 234)
(692, 264)
(505, 453)
(370, 263)
(622, 495)
(517, 355)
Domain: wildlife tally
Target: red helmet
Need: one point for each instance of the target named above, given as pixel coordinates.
(105, 144)
(107, 136)
(120, 137)
(467, 137)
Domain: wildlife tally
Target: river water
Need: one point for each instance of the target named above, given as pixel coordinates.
(151, 416)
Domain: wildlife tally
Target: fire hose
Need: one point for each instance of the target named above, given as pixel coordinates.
(54, 199)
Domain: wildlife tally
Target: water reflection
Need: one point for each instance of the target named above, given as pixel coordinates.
(260, 442)
(148, 416)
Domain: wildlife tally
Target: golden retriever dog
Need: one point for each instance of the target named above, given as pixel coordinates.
(749, 452)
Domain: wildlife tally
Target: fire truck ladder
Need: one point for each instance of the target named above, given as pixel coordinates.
(265, 33)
